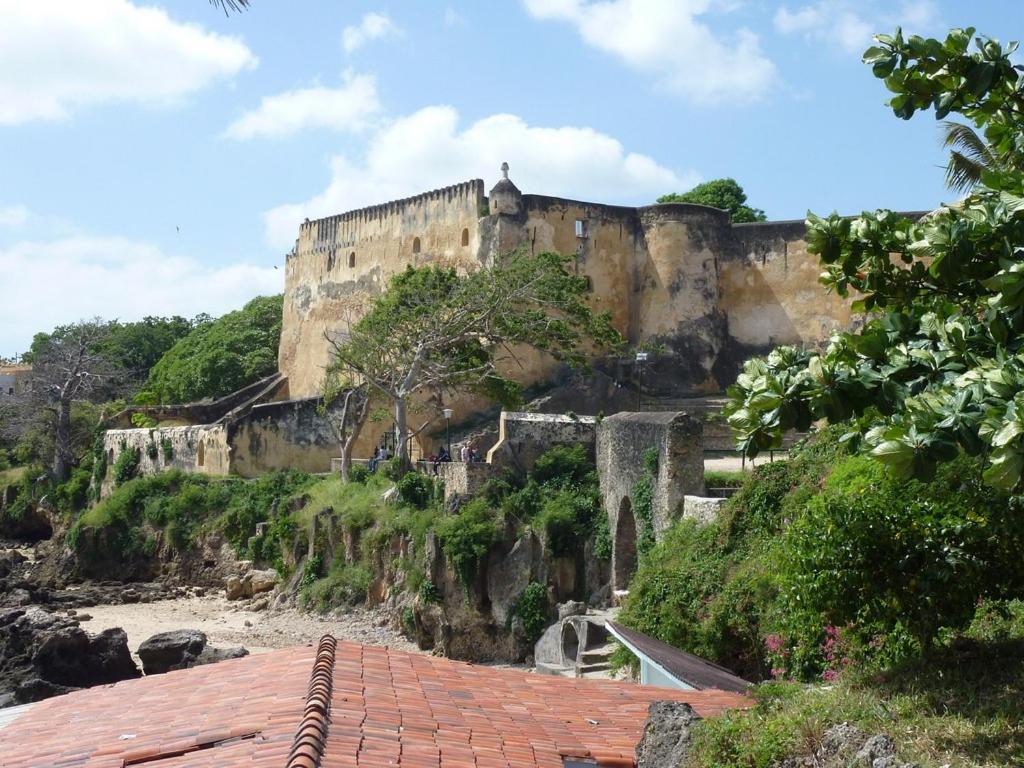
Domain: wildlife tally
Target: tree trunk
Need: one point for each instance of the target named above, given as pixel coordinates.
(402, 436)
(62, 443)
(348, 442)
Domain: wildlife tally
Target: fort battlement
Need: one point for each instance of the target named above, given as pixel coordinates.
(343, 229)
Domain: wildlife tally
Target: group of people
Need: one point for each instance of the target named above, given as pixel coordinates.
(467, 454)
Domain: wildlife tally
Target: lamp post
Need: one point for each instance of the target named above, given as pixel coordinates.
(448, 428)
(641, 358)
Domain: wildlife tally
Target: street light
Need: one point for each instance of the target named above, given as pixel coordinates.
(448, 427)
(641, 358)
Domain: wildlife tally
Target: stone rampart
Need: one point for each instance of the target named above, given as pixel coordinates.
(523, 437)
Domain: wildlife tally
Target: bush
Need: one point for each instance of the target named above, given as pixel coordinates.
(126, 465)
(167, 448)
(467, 536)
(887, 559)
(358, 473)
(567, 516)
(533, 609)
(344, 585)
(416, 489)
(724, 479)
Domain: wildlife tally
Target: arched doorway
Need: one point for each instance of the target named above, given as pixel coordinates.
(624, 553)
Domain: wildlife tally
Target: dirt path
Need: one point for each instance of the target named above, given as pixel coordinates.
(231, 623)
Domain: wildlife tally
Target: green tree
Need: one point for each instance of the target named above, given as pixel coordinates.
(939, 366)
(725, 194)
(219, 356)
(435, 332)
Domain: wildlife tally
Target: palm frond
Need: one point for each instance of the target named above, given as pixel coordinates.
(962, 173)
(970, 156)
(230, 5)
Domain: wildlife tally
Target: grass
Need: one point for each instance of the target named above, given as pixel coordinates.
(715, 478)
(11, 476)
(357, 505)
(961, 707)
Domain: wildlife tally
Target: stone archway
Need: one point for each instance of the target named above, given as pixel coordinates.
(624, 557)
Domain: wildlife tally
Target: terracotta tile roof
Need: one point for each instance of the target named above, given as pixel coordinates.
(386, 708)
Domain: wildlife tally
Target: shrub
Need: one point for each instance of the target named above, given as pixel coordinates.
(358, 473)
(167, 447)
(533, 609)
(467, 536)
(152, 451)
(408, 621)
(344, 585)
(416, 489)
(126, 465)
(724, 479)
(428, 592)
(567, 517)
(887, 558)
(564, 465)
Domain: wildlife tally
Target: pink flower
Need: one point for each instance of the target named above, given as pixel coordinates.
(773, 643)
(829, 675)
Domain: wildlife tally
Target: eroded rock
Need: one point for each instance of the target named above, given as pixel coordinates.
(181, 649)
(42, 655)
(667, 735)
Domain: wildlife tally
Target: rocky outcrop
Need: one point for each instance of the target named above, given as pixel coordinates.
(847, 746)
(181, 649)
(667, 735)
(252, 582)
(42, 655)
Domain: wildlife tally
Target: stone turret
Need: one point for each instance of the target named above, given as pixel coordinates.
(505, 198)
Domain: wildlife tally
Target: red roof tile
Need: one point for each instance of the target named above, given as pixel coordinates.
(388, 708)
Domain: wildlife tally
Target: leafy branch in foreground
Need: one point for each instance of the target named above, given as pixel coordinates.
(939, 366)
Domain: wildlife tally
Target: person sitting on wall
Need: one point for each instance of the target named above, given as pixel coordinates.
(442, 456)
(376, 459)
(474, 454)
(464, 456)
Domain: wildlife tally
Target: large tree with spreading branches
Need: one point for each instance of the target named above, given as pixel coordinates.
(435, 332)
(938, 368)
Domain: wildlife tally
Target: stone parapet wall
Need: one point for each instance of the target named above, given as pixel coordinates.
(202, 449)
(523, 437)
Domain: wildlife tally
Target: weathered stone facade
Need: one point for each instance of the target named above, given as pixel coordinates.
(677, 275)
(622, 441)
(14, 379)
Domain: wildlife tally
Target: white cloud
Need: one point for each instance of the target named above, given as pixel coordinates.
(452, 18)
(347, 108)
(373, 26)
(67, 279)
(60, 55)
(663, 38)
(427, 150)
(851, 24)
(13, 217)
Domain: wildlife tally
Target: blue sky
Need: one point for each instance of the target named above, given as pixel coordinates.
(156, 157)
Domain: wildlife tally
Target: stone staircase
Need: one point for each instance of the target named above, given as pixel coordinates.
(577, 646)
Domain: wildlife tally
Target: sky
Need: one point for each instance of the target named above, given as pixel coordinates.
(156, 157)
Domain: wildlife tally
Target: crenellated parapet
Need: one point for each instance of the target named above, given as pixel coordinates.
(347, 229)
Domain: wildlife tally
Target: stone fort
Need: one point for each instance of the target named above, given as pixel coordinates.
(707, 294)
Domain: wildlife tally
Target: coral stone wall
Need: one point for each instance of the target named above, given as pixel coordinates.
(679, 277)
(340, 261)
(202, 448)
(289, 434)
(523, 437)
